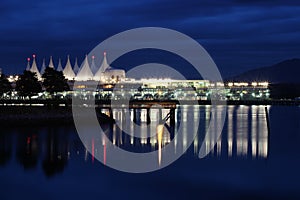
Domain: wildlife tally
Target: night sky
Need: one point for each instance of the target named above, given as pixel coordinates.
(239, 35)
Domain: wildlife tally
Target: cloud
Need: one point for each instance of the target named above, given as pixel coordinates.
(233, 31)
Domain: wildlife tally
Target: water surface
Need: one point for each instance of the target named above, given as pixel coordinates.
(50, 162)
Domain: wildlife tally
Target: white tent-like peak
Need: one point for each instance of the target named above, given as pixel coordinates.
(68, 71)
(51, 63)
(93, 66)
(35, 69)
(102, 68)
(85, 72)
(43, 67)
(59, 67)
(28, 64)
(76, 67)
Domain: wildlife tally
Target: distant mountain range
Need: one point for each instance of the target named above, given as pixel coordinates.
(287, 71)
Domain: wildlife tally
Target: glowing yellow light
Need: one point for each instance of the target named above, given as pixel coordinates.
(239, 84)
(160, 132)
(265, 84)
(254, 84)
(220, 84)
(81, 86)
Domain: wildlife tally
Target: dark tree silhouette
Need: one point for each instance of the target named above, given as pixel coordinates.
(54, 81)
(5, 85)
(28, 84)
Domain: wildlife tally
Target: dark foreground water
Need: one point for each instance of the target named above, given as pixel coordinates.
(249, 162)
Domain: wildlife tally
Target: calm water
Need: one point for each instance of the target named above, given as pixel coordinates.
(247, 162)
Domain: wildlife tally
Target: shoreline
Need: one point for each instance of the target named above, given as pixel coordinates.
(106, 103)
(52, 114)
(40, 115)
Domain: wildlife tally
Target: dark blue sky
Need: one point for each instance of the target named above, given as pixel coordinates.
(238, 34)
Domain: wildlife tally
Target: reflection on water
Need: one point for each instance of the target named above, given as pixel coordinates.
(250, 131)
(245, 134)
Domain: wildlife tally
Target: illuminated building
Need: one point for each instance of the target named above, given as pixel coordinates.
(85, 73)
(107, 74)
(51, 65)
(249, 91)
(59, 66)
(35, 69)
(113, 84)
(68, 71)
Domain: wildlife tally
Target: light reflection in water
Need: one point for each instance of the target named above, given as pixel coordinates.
(254, 131)
(245, 134)
(251, 131)
(230, 130)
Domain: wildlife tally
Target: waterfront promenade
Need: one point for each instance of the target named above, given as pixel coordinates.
(54, 111)
(144, 103)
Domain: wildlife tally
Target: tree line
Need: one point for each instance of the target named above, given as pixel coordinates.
(28, 84)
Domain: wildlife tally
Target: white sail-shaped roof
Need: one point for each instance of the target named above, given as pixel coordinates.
(43, 67)
(35, 69)
(28, 64)
(68, 71)
(51, 63)
(76, 67)
(102, 68)
(59, 67)
(93, 66)
(85, 72)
